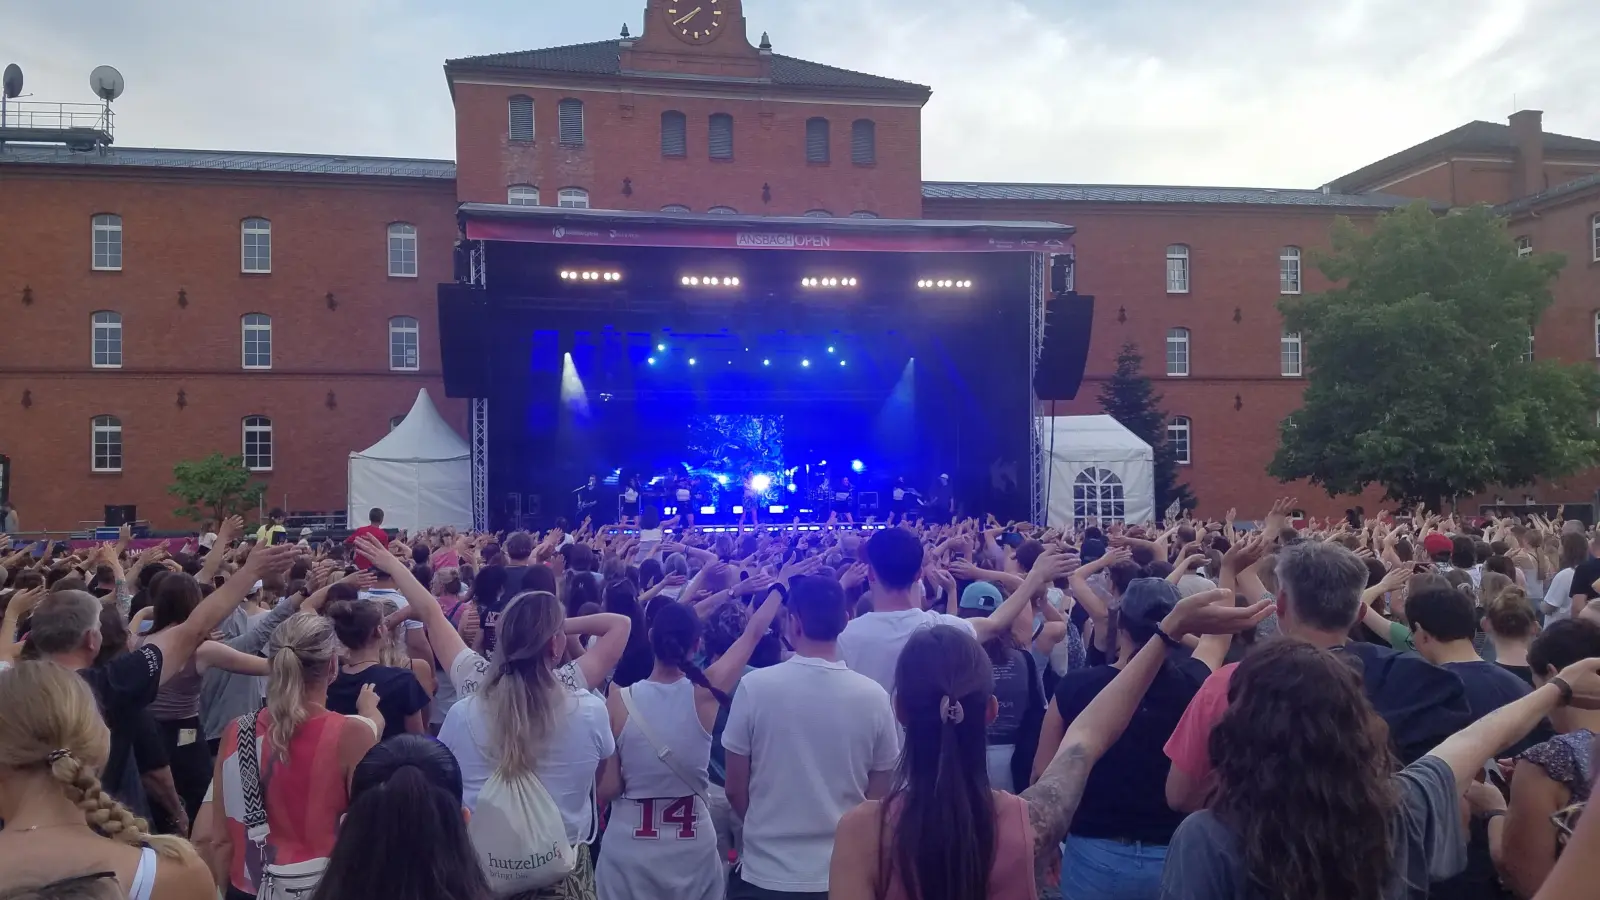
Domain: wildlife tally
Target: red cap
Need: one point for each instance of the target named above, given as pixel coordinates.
(1437, 544)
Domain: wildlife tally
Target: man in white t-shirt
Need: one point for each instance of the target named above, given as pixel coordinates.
(871, 644)
(807, 740)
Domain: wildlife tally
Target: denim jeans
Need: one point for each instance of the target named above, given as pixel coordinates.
(1101, 869)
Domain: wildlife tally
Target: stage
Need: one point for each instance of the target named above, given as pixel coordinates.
(696, 364)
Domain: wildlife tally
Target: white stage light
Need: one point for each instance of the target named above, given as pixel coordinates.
(708, 510)
(776, 510)
(738, 510)
(762, 483)
(805, 363)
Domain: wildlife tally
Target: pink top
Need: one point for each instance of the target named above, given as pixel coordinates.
(1011, 876)
(1189, 748)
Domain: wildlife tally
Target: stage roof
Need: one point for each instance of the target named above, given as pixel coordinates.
(622, 228)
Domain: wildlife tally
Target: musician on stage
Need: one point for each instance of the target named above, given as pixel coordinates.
(941, 506)
(905, 501)
(628, 502)
(843, 501)
(683, 496)
(588, 498)
(752, 497)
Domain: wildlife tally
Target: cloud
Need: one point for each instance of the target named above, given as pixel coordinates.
(1144, 91)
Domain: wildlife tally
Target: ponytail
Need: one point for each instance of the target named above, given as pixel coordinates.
(674, 632)
(301, 651)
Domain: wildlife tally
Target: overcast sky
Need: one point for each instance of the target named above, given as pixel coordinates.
(1228, 92)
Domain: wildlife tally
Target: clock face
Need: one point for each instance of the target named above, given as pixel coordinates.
(695, 21)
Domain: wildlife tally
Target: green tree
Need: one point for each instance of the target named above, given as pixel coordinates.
(1417, 377)
(214, 487)
(1130, 398)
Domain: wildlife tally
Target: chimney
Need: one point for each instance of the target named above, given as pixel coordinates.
(1527, 136)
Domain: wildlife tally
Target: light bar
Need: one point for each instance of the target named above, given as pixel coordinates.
(738, 510)
(716, 281)
(776, 510)
(827, 282)
(943, 283)
(589, 275)
(708, 510)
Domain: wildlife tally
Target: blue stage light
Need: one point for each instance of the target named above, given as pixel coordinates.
(830, 349)
(805, 363)
(766, 362)
(708, 510)
(738, 510)
(841, 362)
(776, 510)
(761, 483)
(722, 480)
(651, 360)
(857, 466)
(661, 348)
(793, 487)
(691, 360)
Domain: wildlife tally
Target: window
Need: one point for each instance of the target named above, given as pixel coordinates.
(403, 250)
(1097, 497)
(675, 207)
(818, 214)
(256, 235)
(522, 195)
(1527, 355)
(1178, 439)
(1524, 246)
(520, 110)
(1597, 335)
(1178, 352)
(106, 445)
(257, 341)
(864, 142)
(721, 139)
(863, 214)
(403, 344)
(723, 211)
(1289, 270)
(107, 243)
(1289, 355)
(572, 198)
(394, 422)
(817, 140)
(674, 134)
(258, 443)
(569, 114)
(1178, 269)
(106, 338)
(1594, 234)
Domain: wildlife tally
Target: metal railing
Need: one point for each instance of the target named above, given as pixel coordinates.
(38, 116)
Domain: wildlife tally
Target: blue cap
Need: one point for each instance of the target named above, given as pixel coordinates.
(981, 595)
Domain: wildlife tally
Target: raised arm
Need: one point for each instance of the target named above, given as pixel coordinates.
(610, 631)
(442, 636)
(1078, 583)
(1047, 568)
(229, 532)
(724, 673)
(179, 642)
(1468, 749)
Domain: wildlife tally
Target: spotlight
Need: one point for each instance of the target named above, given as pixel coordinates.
(857, 466)
(830, 349)
(841, 362)
(805, 363)
(766, 362)
(761, 483)
(684, 281)
(722, 480)
(661, 347)
(691, 361)
(651, 360)
(793, 487)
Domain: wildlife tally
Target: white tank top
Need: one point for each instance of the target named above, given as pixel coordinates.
(670, 710)
(144, 877)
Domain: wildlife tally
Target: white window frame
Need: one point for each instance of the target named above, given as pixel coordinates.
(256, 425)
(818, 214)
(1594, 235)
(1524, 246)
(676, 208)
(522, 195)
(1098, 495)
(112, 327)
(255, 233)
(108, 225)
(572, 198)
(406, 331)
(109, 426)
(402, 238)
(863, 214)
(1289, 270)
(511, 120)
(1178, 270)
(1178, 338)
(1291, 355)
(246, 327)
(1527, 354)
(1180, 432)
(723, 211)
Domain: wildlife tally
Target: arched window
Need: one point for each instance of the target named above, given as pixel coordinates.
(106, 339)
(257, 340)
(1097, 497)
(1289, 270)
(1178, 439)
(572, 198)
(721, 136)
(403, 250)
(520, 111)
(394, 422)
(1594, 236)
(817, 140)
(863, 214)
(723, 211)
(1290, 356)
(864, 142)
(522, 195)
(403, 344)
(1178, 352)
(818, 214)
(1178, 268)
(675, 208)
(674, 134)
(107, 242)
(256, 241)
(105, 448)
(569, 114)
(1524, 246)
(258, 443)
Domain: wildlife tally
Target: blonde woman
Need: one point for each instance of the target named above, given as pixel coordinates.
(306, 755)
(60, 823)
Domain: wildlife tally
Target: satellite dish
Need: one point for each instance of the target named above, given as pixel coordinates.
(13, 81)
(106, 82)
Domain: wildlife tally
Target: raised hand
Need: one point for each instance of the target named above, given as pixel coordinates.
(379, 554)
(1213, 612)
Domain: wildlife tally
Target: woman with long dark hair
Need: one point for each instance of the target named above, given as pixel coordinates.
(405, 800)
(359, 626)
(663, 730)
(622, 598)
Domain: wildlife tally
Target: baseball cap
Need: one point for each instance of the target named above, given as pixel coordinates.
(1437, 544)
(305, 532)
(981, 595)
(1144, 604)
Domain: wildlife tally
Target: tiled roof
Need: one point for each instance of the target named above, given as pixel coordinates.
(231, 161)
(1131, 193)
(1473, 137)
(605, 58)
(1576, 186)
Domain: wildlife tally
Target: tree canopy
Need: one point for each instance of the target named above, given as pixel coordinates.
(1417, 376)
(214, 487)
(1129, 397)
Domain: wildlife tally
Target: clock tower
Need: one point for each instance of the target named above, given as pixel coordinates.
(695, 37)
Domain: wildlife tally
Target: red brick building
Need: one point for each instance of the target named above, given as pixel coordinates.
(163, 304)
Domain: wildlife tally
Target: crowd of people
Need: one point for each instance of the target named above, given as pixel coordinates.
(1365, 709)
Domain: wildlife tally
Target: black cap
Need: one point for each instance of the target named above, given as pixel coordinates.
(1144, 604)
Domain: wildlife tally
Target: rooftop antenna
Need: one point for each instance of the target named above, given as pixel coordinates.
(10, 88)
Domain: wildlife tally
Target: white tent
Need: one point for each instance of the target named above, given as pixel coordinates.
(1098, 470)
(420, 474)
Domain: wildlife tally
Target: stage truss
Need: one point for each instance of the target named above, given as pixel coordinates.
(1038, 464)
(478, 276)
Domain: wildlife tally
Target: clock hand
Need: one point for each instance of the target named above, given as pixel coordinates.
(692, 13)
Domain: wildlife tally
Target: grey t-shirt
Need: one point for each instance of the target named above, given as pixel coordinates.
(1204, 861)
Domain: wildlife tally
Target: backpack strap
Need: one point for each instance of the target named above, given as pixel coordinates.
(255, 812)
(663, 752)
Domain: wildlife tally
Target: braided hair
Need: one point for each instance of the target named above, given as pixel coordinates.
(674, 636)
